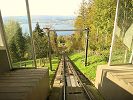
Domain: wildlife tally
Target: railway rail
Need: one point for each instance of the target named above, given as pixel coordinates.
(72, 84)
(75, 88)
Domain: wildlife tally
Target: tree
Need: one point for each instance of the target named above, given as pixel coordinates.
(99, 16)
(41, 42)
(13, 49)
(28, 47)
(19, 42)
(16, 40)
(54, 43)
(104, 21)
(10, 29)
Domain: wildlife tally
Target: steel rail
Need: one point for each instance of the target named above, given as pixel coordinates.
(64, 77)
(67, 30)
(70, 68)
(88, 94)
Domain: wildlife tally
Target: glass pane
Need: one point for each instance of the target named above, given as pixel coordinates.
(123, 43)
(17, 33)
(49, 14)
(1, 42)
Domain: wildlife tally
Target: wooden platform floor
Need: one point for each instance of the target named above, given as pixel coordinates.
(57, 90)
(24, 84)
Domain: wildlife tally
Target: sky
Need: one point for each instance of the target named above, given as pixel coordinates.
(40, 7)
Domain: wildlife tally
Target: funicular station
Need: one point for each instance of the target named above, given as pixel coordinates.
(113, 81)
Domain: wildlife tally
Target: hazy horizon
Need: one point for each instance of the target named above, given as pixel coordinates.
(56, 22)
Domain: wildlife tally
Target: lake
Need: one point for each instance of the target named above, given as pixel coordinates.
(55, 22)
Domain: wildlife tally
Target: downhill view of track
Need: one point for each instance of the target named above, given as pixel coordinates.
(71, 84)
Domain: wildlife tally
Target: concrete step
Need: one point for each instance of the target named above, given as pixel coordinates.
(24, 84)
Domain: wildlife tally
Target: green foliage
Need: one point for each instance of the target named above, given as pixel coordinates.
(98, 15)
(12, 48)
(16, 40)
(61, 39)
(10, 29)
(20, 43)
(54, 42)
(77, 41)
(28, 47)
(55, 62)
(40, 41)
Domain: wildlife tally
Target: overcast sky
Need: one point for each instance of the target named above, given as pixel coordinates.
(40, 7)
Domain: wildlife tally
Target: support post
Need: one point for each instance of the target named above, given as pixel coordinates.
(113, 36)
(87, 43)
(131, 48)
(125, 57)
(30, 29)
(49, 55)
(55, 40)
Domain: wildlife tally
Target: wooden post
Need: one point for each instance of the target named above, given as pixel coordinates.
(87, 43)
(50, 62)
(30, 29)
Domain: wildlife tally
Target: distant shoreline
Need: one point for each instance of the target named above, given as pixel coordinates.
(57, 22)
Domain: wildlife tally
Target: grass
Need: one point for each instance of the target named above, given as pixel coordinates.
(55, 61)
(29, 63)
(93, 61)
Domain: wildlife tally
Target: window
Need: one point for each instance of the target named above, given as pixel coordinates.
(122, 47)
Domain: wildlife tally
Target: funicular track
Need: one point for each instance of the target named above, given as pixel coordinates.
(72, 84)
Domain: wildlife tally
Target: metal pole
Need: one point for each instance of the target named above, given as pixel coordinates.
(113, 37)
(125, 57)
(87, 42)
(57, 51)
(67, 30)
(131, 57)
(4, 40)
(30, 29)
(50, 62)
